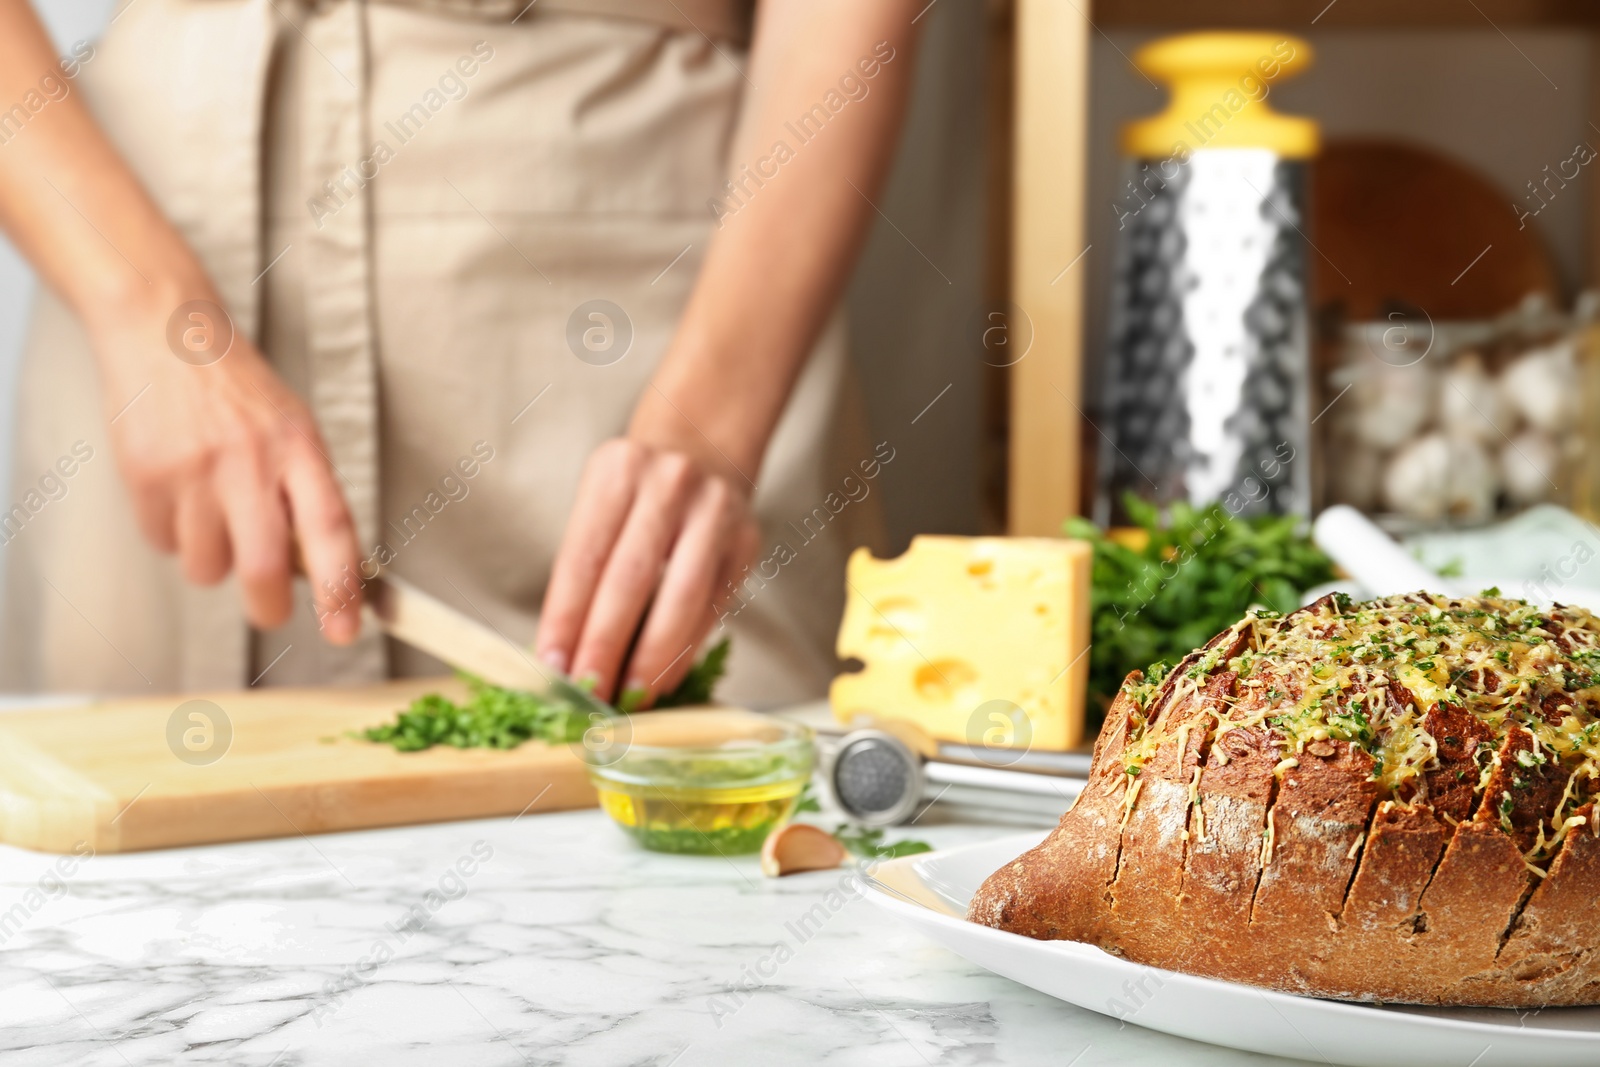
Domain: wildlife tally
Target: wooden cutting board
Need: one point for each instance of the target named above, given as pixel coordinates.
(126, 775)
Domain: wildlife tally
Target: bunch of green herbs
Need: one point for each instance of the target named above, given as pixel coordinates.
(1197, 574)
(496, 717)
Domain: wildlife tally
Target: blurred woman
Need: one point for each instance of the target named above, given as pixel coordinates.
(532, 303)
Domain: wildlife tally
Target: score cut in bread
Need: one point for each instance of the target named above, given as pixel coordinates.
(1382, 801)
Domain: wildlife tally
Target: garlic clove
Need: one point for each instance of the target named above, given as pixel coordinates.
(800, 847)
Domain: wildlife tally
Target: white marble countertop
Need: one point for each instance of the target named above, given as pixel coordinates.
(562, 943)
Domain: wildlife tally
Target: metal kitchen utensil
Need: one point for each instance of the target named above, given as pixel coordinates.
(875, 777)
(407, 614)
(1206, 382)
(878, 779)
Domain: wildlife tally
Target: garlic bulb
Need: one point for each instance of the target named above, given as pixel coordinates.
(1391, 404)
(1436, 475)
(1541, 386)
(1470, 404)
(1530, 465)
(1474, 480)
(1414, 484)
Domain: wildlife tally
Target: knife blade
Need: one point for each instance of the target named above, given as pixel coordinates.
(407, 614)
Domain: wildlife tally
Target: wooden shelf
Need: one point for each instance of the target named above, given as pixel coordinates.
(1047, 250)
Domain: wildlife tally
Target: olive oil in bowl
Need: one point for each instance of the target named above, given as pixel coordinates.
(704, 780)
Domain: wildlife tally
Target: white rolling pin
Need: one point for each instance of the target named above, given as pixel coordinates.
(1371, 557)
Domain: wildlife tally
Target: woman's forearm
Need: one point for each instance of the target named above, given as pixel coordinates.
(829, 85)
(222, 461)
(67, 198)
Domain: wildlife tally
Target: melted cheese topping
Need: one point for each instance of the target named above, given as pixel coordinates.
(1325, 674)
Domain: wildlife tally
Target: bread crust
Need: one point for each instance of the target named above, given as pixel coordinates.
(1231, 854)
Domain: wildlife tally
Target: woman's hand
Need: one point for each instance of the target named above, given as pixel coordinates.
(668, 503)
(223, 461)
(656, 536)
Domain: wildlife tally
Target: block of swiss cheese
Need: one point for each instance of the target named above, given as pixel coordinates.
(977, 640)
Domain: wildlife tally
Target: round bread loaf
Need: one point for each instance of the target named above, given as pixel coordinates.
(1380, 801)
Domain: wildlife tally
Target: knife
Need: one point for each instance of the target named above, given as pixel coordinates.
(407, 614)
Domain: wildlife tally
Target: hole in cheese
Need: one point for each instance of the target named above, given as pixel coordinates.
(897, 618)
(942, 679)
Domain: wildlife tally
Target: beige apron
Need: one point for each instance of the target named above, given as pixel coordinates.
(405, 203)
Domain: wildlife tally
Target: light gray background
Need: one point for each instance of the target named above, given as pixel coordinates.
(1467, 92)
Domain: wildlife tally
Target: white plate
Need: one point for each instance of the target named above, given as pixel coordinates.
(931, 892)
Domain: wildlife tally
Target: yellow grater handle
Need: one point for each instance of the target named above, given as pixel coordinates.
(1220, 84)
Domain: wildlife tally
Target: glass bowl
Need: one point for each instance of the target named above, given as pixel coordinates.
(703, 780)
